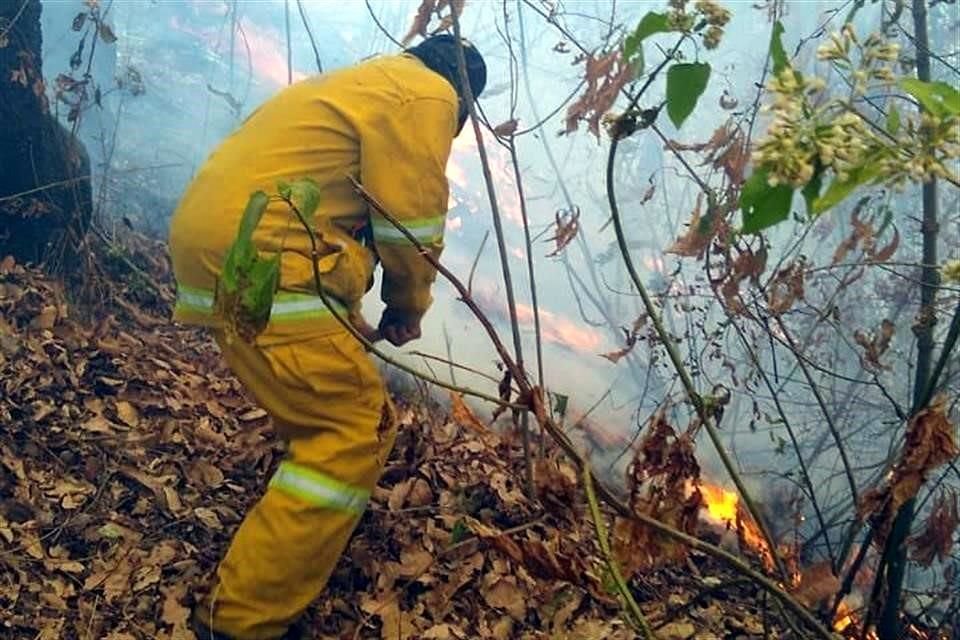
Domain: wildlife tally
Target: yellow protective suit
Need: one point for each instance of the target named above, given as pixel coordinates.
(388, 122)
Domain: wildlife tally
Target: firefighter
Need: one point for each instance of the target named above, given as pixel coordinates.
(388, 122)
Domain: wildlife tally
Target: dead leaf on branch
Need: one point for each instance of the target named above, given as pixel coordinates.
(786, 287)
(605, 76)
(747, 265)
(425, 13)
(631, 341)
(567, 226)
(506, 129)
(420, 21)
(726, 150)
(700, 232)
(928, 443)
(875, 346)
(935, 541)
(659, 478)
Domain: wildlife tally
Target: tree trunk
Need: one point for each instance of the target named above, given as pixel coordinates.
(38, 221)
(895, 553)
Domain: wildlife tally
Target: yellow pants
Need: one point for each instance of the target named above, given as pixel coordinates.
(328, 402)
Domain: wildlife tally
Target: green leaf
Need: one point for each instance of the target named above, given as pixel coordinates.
(256, 298)
(939, 98)
(246, 286)
(777, 53)
(893, 120)
(459, 532)
(256, 206)
(686, 82)
(762, 205)
(812, 190)
(650, 24)
(305, 195)
(838, 190)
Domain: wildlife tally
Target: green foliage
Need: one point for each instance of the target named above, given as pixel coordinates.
(686, 82)
(812, 191)
(762, 205)
(459, 532)
(777, 53)
(304, 193)
(840, 189)
(939, 98)
(649, 25)
(246, 287)
(893, 120)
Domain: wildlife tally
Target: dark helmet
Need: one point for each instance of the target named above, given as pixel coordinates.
(439, 53)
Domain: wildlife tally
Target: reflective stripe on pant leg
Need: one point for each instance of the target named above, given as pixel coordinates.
(326, 399)
(318, 488)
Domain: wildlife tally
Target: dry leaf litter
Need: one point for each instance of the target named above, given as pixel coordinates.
(129, 454)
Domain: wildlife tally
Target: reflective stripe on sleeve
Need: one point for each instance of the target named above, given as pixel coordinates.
(318, 489)
(426, 230)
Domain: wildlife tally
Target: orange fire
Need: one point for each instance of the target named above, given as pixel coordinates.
(846, 622)
(722, 507)
(844, 617)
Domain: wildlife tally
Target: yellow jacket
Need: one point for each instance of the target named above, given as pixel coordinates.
(390, 123)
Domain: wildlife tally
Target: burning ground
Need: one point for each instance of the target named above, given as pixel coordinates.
(129, 454)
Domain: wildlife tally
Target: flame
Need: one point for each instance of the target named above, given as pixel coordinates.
(844, 617)
(721, 504)
(848, 623)
(723, 508)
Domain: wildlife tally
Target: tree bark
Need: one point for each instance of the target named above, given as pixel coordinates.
(895, 553)
(37, 220)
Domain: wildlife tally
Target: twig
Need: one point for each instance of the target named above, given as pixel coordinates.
(629, 603)
(382, 28)
(469, 98)
(827, 416)
(449, 362)
(669, 344)
(313, 42)
(530, 270)
(791, 434)
(476, 260)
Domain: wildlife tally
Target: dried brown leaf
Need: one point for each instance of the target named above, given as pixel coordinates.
(506, 129)
(786, 287)
(567, 226)
(462, 415)
(935, 541)
(876, 345)
(700, 233)
(928, 443)
(420, 21)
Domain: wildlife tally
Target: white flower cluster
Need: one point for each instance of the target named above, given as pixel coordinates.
(712, 19)
(874, 60)
(811, 129)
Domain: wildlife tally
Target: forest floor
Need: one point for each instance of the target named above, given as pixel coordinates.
(128, 455)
